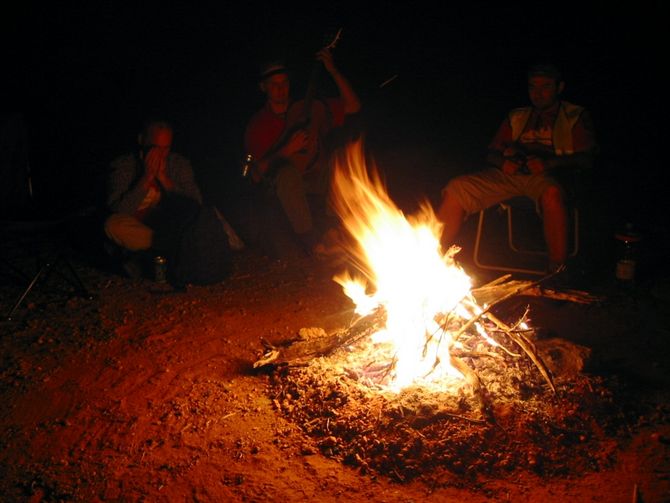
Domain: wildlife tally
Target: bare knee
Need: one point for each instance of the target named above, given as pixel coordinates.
(450, 207)
(112, 224)
(449, 193)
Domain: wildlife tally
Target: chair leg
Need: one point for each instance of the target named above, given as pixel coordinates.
(478, 238)
(497, 267)
(575, 225)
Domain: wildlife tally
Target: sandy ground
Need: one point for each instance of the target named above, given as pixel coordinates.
(142, 395)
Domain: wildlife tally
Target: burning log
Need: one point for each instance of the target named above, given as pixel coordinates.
(504, 287)
(315, 343)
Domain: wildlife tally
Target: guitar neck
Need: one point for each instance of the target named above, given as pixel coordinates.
(330, 41)
(310, 93)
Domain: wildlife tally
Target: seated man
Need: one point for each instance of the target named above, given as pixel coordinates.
(152, 195)
(287, 141)
(533, 147)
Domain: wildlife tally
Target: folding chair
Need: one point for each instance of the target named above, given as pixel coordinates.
(522, 206)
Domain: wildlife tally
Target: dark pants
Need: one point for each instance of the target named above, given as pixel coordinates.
(169, 221)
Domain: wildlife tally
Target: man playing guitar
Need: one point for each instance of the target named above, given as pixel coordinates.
(284, 142)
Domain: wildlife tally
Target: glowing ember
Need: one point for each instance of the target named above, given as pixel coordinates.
(425, 294)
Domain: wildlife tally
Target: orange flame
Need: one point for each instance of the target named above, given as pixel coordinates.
(404, 270)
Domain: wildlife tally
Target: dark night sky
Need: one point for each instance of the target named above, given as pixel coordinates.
(85, 77)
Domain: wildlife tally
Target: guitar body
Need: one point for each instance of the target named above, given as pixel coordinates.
(313, 117)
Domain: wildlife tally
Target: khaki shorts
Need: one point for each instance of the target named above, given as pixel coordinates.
(128, 232)
(483, 189)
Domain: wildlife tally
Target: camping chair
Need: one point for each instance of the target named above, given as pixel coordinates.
(520, 211)
(517, 209)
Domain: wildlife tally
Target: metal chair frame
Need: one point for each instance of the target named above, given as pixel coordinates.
(508, 207)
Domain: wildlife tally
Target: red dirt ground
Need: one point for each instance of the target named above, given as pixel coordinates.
(143, 396)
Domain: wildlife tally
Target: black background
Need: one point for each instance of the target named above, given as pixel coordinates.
(84, 76)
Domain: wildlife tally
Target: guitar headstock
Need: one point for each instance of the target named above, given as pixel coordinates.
(332, 38)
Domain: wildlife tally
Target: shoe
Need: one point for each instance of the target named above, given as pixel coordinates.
(564, 277)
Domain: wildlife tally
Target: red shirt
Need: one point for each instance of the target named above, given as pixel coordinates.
(265, 127)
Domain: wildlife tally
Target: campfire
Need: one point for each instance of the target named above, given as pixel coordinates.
(427, 370)
(426, 296)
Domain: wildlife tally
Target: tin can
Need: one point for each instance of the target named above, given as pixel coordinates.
(160, 269)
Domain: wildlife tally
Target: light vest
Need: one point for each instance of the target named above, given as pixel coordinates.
(567, 116)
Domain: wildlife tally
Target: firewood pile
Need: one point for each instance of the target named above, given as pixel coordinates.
(524, 404)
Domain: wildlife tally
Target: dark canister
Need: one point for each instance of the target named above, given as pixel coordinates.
(160, 269)
(628, 239)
